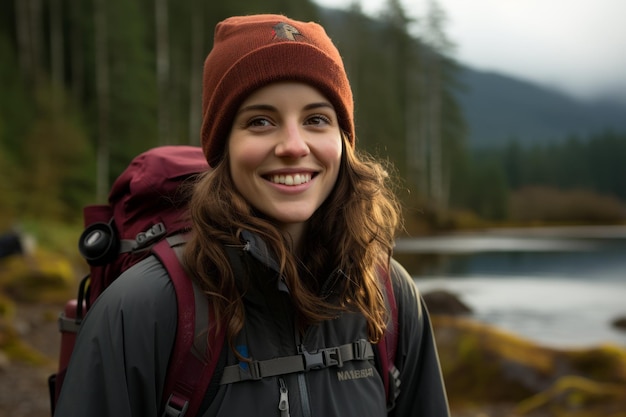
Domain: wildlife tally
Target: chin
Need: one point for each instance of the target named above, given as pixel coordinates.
(291, 219)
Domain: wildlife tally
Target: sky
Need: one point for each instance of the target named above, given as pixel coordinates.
(575, 46)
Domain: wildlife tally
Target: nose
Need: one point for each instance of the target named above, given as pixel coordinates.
(293, 143)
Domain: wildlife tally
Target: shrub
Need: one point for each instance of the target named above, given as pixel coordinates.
(546, 204)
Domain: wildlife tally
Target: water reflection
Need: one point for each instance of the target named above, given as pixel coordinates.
(473, 244)
(552, 311)
(560, 289)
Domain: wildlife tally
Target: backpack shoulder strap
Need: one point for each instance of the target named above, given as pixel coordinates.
(190, 370)
(388, 346)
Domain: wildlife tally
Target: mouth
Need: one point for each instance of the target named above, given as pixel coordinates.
(290, 179)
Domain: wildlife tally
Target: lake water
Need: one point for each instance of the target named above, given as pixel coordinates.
(557, 287)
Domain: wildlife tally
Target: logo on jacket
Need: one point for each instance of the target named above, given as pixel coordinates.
(355, 374)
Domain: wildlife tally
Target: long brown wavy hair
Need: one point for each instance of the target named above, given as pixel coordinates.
(354, 232)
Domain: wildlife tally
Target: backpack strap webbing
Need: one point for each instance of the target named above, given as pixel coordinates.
(388, 345)
(302, 362)
(190, 371)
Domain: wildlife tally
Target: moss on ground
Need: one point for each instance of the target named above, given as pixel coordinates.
(577, 397)
(42, 276)
(484, 365)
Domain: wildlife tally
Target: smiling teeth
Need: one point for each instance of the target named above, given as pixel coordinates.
(291, 179)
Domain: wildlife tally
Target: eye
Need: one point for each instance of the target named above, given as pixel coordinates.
(258, 122)
(318, 120)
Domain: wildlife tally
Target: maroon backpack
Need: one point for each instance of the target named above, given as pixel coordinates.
(146, 215)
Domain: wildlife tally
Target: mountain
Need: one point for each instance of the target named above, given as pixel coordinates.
(499, 108)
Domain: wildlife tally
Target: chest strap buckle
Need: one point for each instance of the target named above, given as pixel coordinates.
(323, 358)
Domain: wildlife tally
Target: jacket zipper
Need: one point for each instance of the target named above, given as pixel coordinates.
(302, 384)
(304, 395)
(283, 401)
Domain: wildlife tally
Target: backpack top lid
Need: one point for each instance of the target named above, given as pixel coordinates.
(149, 190)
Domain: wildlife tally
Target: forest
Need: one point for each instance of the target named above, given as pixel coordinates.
(89, 84)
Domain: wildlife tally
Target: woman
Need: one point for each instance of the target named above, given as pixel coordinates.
(312, 223)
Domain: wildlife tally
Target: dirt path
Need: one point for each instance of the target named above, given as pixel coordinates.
(24, 388)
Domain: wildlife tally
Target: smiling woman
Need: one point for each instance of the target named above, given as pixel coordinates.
(290, 248)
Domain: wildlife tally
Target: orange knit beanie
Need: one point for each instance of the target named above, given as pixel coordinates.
(250, 52)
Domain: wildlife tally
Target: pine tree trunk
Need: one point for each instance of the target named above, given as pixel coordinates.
(195, 79)
(163, 69)
(22, 27)
(36, 37)
(56, 42)
(28, 16)
(414, 159)
(436, 181)
(77, 55)
(103, 98)
(422, 148)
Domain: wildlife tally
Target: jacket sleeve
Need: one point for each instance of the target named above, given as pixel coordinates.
(122, 350)
(422, 390)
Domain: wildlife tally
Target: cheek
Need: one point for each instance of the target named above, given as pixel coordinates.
(244, 155)
(330, 153)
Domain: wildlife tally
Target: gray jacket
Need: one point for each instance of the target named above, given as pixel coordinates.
(122, 351)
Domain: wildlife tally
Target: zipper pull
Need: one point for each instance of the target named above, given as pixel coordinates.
(283, 402)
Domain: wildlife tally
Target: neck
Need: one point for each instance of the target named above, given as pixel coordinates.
(294, 234)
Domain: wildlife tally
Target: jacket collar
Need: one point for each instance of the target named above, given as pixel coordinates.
(258, 249)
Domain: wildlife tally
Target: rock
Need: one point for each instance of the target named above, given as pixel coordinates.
(620, 323)
(4, 361)
(445, 302)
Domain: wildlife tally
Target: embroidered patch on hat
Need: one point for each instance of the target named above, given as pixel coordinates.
(286, 32)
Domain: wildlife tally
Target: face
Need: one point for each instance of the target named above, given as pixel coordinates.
(285, 151)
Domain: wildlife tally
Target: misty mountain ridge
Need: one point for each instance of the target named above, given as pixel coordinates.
(499, 108)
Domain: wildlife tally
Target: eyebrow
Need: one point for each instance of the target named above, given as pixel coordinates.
(267, 107)
(318, 105)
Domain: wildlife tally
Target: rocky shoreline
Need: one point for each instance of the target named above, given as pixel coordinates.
(490, 372)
